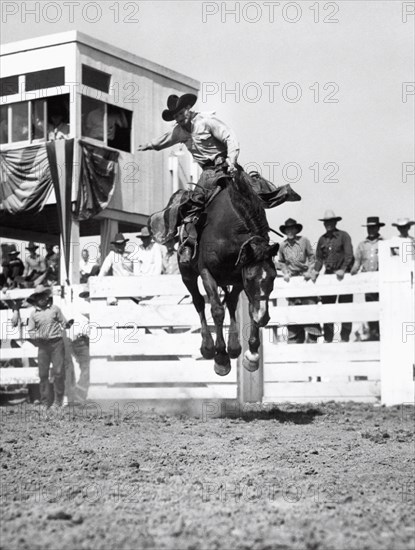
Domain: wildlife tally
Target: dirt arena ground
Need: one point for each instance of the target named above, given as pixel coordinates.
(297, 477)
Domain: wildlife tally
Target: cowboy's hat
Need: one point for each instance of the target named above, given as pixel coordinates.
(176, 104)
(119, 239)
(401, 222)
(32, 246)
(373, 220)
(39, 291)
(145, 232)
(329, 215)
(290, 223)
(14, 253)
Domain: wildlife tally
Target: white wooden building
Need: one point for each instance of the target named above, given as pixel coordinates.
(80, 75)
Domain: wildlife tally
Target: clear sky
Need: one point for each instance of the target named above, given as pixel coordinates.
(316, 84)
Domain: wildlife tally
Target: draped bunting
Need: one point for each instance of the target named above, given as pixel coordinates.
(98, 174)
(25, 179)
(60, 156)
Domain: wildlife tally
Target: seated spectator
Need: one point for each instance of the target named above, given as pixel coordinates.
(170, 264)
(34, 265)
(403, 226)
(148, 260)
(97, 264)
(335, 252)
(53, 266)
(366, 259)
(94, 127)
(13, 269)
(58, 122)
(85, 266)
(118, 262)
(296, 258)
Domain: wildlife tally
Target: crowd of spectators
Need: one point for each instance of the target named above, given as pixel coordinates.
(34, 270)
(334, 253)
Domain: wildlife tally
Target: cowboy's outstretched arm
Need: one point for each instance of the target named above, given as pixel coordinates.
(226, 135)
(166, 140)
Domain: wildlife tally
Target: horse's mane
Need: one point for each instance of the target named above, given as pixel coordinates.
(248, 205)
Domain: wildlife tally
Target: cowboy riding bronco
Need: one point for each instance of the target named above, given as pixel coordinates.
(215, 148)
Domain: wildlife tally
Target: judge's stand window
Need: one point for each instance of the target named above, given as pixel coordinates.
(106, 123)
(35, 121)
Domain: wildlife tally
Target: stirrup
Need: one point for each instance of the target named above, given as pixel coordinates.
(185, 255)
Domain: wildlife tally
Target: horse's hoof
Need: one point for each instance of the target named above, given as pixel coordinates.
(251, 361)
(222, 370)
(235, 352)
(207, 353)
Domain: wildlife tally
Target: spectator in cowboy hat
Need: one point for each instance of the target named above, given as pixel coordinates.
(296, 259)
(149, 259)
(335, 252)
(118, 261)
(46, 327)
(34, 265)
(366, 259)
(404, 225)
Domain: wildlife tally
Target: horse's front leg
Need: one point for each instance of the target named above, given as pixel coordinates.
(189, 277)
(231, 298)
(222, 361)
(251, 356)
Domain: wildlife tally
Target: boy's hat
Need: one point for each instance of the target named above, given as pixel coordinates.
(39, 291)
(32, 246)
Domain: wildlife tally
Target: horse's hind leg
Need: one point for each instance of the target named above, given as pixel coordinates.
(207, 348)
(251, 356)
(231, 299)
(222, 361)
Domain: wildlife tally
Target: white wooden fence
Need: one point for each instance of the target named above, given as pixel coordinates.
(147, 347)
(145, 340)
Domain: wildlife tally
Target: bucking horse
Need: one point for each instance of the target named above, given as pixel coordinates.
(234, 253)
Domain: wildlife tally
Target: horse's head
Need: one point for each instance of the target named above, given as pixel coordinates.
(258, 274)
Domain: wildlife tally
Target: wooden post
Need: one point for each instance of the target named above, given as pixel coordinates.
(109, 228)
(250, 384)
(397, 326)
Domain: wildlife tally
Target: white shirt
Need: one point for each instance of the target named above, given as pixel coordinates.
(120, 264)
(148, 261)
(86, 266)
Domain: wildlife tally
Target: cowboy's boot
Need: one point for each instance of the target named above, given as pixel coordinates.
(188, 247)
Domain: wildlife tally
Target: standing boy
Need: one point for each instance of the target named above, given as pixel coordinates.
(46, 326)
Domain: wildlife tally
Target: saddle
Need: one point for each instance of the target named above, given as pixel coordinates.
(164, 224)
